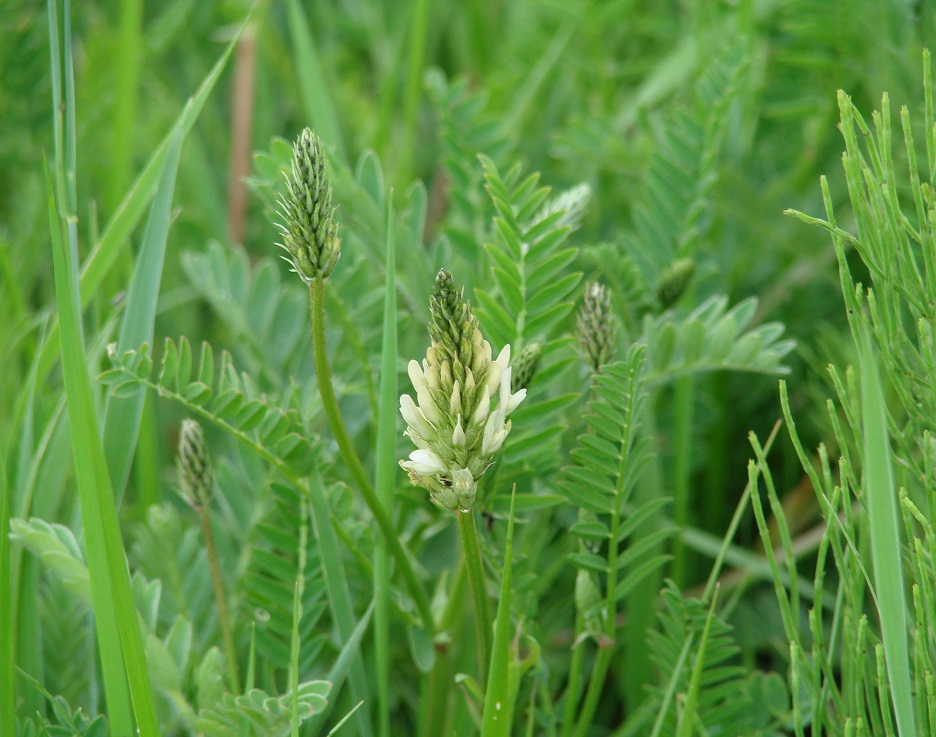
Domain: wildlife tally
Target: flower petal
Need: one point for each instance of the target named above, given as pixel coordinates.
(424, 462)
(416, 375)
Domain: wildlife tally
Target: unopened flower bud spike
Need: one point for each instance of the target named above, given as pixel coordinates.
(596, 327)
(194, 470)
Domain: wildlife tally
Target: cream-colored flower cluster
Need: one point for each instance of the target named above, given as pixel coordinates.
(459, 419)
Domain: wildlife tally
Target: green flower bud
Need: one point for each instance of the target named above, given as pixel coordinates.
(194, 466)
(596, 327)
(454, 422)
(310, 234)
(525, 366)
(674, 280)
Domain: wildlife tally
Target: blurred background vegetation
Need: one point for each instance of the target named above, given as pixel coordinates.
(732, 103)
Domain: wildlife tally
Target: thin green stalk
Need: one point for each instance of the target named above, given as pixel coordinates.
(684, 420)
(295, 645)
(474, 566)
(414, 81)
(7, 692)
(640, 604)
(386, 452)
(335, 421)
(603, 661)
(123, 129)
(574, 686)
(438, 684)
(224, 619)
(438, 691)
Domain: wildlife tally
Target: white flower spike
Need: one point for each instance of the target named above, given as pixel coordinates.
(463, 398)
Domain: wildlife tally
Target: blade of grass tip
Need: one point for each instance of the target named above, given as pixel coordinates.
(686, 726)
(344, 719)
(336, 586)
(885, 536)
(313, 88)
(670, 693)
(119, 638)
(115, 236)
(122, 415)
(383, 483)
(495, 721)
(7, 694)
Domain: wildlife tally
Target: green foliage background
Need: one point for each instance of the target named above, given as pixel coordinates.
(468, 127)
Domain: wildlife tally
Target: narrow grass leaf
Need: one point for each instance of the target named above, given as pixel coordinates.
(496, 719)
(122, 416)
(339, 595)
(119, 638)
(885, 538)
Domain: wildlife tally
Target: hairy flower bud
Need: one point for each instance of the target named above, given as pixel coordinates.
(525, 366)
(310, 234)
(193, 465)
(596, 327)
(674, 280)
(454, 422)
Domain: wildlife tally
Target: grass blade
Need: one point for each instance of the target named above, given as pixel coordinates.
(119, 638)
(498, 710)
(885, 537)
(339, 595)
(316, 98)
(122, 416)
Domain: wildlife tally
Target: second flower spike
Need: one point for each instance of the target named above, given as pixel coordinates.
(310, 234)
(463, 399)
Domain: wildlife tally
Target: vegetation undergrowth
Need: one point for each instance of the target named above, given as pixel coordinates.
(376, 372)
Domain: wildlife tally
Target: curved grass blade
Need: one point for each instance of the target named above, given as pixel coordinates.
(123, 414)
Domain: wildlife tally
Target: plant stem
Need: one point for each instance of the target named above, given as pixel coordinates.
(224, 619)
(574, 685)
(350, 457)
(684, 410)
(474, 566)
